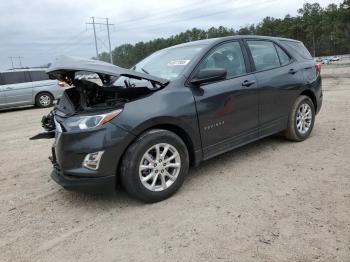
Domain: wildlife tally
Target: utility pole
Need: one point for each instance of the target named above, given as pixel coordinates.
(20, 61)
(109, 42)
(333, 41)
(109, 38)
(313, 43)
(16, 57)
(93, 26)
(11, 61)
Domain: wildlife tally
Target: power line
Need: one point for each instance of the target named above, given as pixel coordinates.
(175, 19)
(16, 57)
(109, 39)
(186, 9)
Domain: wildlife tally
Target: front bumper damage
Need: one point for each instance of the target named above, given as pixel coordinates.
(103, 184)
(70, 149)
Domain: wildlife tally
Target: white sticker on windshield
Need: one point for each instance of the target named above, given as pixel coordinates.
(178, 62)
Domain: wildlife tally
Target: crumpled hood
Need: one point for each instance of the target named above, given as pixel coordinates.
(64, 66)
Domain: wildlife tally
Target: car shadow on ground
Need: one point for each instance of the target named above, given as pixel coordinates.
(121, 199)
(14, 109)
(240, 153)
(22, 108)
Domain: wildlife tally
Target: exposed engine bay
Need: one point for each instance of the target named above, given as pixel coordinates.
(110, 89)
(89, 97)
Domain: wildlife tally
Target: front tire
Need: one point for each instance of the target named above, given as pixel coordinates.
(301, 119)
(154, 166)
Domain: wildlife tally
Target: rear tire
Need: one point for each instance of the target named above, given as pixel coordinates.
(44, 100)
(301, 119)
(154, 166)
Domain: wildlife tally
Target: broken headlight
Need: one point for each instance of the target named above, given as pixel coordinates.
(86, 122)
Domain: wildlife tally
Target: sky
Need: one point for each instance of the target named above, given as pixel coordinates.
(40, 30)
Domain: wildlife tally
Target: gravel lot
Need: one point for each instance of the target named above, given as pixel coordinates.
(272, 200)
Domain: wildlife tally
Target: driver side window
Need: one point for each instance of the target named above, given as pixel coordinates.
(228, 56)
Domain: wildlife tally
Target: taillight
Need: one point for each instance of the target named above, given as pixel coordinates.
(60, 84)
(318, 69)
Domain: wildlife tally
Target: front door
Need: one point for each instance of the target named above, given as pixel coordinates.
(227, 110)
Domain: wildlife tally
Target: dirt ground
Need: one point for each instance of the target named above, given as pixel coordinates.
(272, 200)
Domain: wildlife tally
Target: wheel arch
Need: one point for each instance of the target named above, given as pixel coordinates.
(43, 92)
(312, 96)
(194, 155)
(180, 132)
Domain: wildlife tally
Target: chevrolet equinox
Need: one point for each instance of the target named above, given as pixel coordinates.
(144, 126)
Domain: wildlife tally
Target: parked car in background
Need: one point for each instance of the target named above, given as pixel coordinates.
(28, 87)
(326, 61)
(146, 125)
(319, 59)
(335, 58)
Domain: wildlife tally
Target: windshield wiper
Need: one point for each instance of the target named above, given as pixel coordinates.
(144, 70)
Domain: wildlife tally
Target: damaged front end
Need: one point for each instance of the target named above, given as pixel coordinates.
(92, 102)
(87, 144)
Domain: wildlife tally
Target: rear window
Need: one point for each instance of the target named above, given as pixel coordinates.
(10, 78)
(297, 47)
(264, 54)
(38, 76)
(284, 58)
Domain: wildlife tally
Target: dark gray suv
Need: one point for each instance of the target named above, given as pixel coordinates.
(146, 125)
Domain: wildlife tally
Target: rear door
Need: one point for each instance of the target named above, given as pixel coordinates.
(17, 87)
(228, 109)
(279, 78)
(40, 79)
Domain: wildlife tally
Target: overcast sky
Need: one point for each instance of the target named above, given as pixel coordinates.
(40, 30)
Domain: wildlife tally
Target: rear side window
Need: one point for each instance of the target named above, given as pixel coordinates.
(284, 58)
(10, 78)
(264, 54)
(38, 76)
(297, 47)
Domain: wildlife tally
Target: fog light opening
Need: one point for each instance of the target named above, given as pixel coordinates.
(92, 160)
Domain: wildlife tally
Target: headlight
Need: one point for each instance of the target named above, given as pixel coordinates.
(86, 122)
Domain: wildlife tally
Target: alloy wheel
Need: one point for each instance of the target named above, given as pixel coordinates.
(159, 167)
(304, 118)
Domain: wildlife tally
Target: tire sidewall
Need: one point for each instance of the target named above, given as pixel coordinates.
(130, 172)
(301, 136)
(38, 100)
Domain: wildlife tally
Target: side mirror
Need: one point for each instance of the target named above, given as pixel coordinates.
(209, 75)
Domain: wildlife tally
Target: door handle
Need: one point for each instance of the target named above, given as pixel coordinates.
(248, 83)
(9, 88)
(292, 71)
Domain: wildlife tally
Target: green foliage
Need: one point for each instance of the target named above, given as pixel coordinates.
(324, 31)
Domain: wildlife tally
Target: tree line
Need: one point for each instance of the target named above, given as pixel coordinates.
(324, 31)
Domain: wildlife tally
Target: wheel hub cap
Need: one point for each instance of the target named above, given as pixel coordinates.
(304, 118)
(44, 100)
(159, 167)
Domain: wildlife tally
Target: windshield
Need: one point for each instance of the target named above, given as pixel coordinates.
(168, 63)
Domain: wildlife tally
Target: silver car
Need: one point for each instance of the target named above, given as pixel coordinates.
(28, 87)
